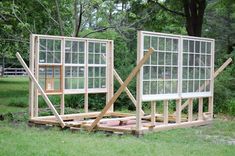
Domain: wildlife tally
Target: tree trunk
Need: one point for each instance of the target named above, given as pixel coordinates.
(194, 13)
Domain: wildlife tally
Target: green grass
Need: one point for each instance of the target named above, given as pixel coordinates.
(13, 94)
(16, 138)
(212, 140)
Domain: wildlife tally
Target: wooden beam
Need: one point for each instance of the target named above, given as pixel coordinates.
(122, 87)
(41, 90)
(153, 111)
(221, 68)
(190, 110)
(31, 85)
(200, 108)
(178, 111)
(210, 106)
(165, 113)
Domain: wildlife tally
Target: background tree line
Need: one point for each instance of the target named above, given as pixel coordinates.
(119, 20)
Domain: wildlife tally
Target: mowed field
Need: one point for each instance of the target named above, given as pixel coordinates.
(17, 138)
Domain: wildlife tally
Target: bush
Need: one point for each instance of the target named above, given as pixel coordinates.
(19, 102)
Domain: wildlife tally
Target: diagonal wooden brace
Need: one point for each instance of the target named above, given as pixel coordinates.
(221, 68)
(41, 90)
(116, 75)
(122, 87)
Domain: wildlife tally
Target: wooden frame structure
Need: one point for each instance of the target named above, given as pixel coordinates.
(107, 119)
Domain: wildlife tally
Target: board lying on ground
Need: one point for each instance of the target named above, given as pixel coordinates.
(170, 69)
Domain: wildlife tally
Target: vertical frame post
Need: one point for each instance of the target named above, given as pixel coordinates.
(139, 84)
(110, 67)
(165, 113)
(190, 110)
(86, 107)
(153, 111)
(200, 108)
(31, 84)
(178, 111)
(62, 76)
(37, 44)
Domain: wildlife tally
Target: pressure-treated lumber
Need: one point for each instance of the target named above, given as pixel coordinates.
(200, 108)
(165, 107)
(41, 90)
(190, 110)
(153, 111)
(221, 68)
(31, 85)
(122, 87)
(178, 111)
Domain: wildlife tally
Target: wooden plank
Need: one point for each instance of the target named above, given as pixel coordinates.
(110, 67)
(221, 68)
(200, 108)
(190, 110)
(41, 90)
(122, 87)
(62, 104)
(165, 113)
(153, 111)
(210, 106)
(178, 111)
(31, 85)
(36, 75)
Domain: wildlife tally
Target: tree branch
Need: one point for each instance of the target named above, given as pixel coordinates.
(98, 30)
(167, 9)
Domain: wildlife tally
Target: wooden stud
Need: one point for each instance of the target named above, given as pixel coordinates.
(50, 105)
(31, 85)
(210, 106)
(190, 110)
(62, 104)
(165, 113)
(200, 108)
(153, 111)
(178, 111)
(110, 67)
(36, 74)
(122, 87)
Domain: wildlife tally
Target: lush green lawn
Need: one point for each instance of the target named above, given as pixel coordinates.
(16, 138)
(213, 140)
(13, 94)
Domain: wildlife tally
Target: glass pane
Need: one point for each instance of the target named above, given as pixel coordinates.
(146, 42)
(154, 42)
(91, 47)
(97, 47)
(81, 58)
(57, 45)
(208, 48)
(154, 87)
(50, 57)
(42, 57)
(154, 72)
(75, 58)
(168, 44)
(175, 45)
(81, 47)
(154, 58)
(146, 71)
(103, 48)
(75, 46)
(185, 46)
(42, 45)
(90, 83)
(103, 82)
(57, 58)
(161, 43)
(146, 87)
(67, 83)
(67, 57)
